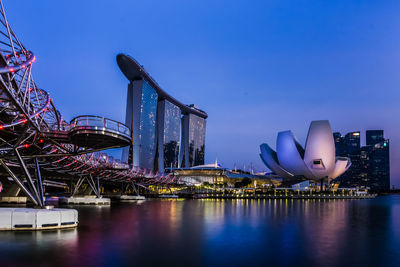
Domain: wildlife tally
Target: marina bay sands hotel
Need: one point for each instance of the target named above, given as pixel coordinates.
(166, 133)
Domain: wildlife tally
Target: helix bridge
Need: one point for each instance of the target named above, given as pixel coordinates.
(35, 139)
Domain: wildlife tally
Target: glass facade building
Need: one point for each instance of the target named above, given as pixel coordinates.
(162, 137)
(370, 164)
(374, 137)
(339, 144)
(197, 134)
(141, 114)
(169, 131)
(147, 129)
(380, 166)
(193, 140)
(352, 142)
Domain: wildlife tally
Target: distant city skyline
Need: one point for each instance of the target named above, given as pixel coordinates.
(369, 163)
(256, 69)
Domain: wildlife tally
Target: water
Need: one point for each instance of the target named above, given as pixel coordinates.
(218, 232)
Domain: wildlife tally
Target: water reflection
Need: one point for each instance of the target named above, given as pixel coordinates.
(219, 232)
(66, 237)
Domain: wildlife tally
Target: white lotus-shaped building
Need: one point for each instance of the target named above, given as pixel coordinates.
(316, 162)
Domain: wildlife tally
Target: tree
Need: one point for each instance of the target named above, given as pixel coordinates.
(244, 183)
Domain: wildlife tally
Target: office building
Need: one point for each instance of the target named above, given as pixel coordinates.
(380, 166)
(352, 143)
(374, 137)
(339, 144)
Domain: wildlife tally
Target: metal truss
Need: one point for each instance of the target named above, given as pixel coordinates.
(34, 136)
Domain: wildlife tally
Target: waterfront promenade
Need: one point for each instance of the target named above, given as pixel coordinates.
(282, 196)
(253, 195)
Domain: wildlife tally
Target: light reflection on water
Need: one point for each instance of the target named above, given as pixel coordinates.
(218, 232)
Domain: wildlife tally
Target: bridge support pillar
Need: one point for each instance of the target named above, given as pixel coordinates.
(94, 185)
(20, 184)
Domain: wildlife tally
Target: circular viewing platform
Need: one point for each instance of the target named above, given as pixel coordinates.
(98, 132)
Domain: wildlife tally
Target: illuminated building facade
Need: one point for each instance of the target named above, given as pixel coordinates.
(166, 133)
(317, 161)
(141, 111)
(193, 140)
(169, 127)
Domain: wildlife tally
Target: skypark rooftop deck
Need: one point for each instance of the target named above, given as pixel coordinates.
(134, 71)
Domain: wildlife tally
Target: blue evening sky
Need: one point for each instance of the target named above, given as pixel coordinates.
(256, 67)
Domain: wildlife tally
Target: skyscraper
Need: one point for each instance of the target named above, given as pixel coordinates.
(141, 111)
(374, 137)
(193, 140)
(339, 144)
(352, 142)
(380, 166)
(370, 164)
(169, 127)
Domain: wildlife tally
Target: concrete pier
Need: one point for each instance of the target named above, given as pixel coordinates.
(37, 219)
(128, 198)
(16, 200)
(168, 196)
(84, 201)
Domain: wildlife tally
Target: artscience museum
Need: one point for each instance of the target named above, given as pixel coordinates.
(317, 161)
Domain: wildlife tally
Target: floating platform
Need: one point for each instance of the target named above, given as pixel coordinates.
(37, 219)
(168, 196)
(17, 200)
(128, 198)
(84, 201)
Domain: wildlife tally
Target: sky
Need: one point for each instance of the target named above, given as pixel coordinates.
(256, 67)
